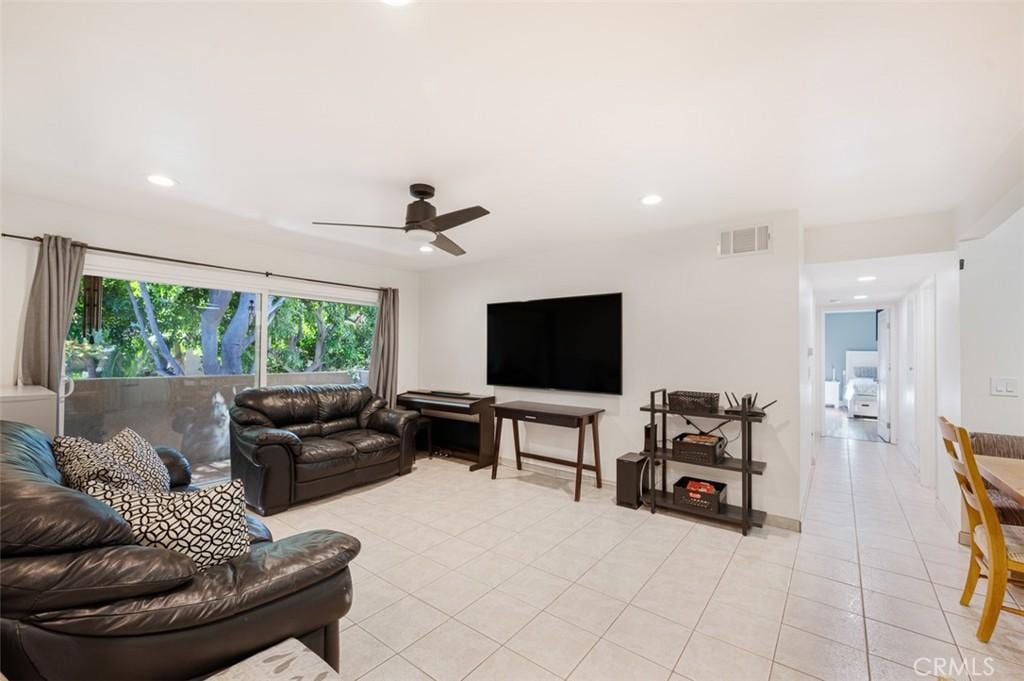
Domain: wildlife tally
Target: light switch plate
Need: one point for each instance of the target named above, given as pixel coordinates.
(1004, 386)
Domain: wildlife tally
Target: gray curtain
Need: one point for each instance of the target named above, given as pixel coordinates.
(51, 302)
(384, 355)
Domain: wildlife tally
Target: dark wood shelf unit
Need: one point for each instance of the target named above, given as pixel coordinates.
(731, 463)
(661, 408)
(744, 515)
(732, 514)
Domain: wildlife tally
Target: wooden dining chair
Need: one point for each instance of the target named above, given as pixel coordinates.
(995, 550)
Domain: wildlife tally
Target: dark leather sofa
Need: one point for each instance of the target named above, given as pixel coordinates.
(297, 442)
(79, 600)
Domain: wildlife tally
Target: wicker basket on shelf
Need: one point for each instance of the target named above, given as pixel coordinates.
(691, 401)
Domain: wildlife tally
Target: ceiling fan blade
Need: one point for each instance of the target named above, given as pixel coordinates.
(455, 218)
(356, 224)
(447, 245)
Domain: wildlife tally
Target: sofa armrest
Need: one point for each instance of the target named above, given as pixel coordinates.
(257, 435)
(271, 571)
(264, 459)
(995, 444)
(393, 421)
(177, 465)
(258, 530)
(402, 423)
(58, 581)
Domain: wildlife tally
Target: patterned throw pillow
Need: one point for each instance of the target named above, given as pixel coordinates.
(81, 462)
(136, 453)
(207, 525)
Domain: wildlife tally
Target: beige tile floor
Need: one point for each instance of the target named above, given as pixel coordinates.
(464, 577)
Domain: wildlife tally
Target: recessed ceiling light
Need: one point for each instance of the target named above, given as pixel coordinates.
(426, 249)
(161, 181)
(859, 297)
(868, 277)
(650, 199)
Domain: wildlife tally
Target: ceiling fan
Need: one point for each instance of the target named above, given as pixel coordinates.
(423, 224)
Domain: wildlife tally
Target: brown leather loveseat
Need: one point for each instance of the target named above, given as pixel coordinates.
(79, 600)
(291, 443)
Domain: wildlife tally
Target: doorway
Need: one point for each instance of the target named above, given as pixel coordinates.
(856, 373)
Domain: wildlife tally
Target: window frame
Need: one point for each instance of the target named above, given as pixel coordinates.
(139, 269)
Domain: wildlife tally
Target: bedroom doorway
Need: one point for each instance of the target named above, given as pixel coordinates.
(856, 385)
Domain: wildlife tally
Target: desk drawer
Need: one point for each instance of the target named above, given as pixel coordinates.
(546, 419)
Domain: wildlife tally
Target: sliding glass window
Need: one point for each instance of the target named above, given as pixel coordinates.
(163, 359)
(318, 341)
(167, 359)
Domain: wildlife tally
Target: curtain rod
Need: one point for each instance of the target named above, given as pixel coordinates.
(178, 261)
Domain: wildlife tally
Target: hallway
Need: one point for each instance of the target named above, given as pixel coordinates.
(839, 425)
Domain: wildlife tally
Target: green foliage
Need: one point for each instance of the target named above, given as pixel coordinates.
(317, 335)
(304, 335)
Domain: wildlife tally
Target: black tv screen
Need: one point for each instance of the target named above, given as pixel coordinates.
(557, 343)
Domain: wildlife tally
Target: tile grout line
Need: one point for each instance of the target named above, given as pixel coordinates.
(491, 590)
(447, 616)
(860, 573)
(935, 592)
(704, 610)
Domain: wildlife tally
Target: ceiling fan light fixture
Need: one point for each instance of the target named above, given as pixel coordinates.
(426, 248)
(420, 235)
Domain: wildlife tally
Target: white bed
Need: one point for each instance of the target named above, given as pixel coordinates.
(861, 392)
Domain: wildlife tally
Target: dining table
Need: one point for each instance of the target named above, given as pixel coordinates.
(1006, 475)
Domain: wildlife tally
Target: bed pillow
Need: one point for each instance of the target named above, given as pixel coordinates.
(207, 525)
(81, 462)
(865, 372)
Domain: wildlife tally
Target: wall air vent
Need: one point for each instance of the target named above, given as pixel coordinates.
(745, 241)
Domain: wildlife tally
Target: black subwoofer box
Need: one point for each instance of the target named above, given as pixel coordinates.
(628, 477)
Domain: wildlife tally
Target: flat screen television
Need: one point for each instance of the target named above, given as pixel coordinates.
(557, 343)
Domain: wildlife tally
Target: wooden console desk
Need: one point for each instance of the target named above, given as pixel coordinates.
(550, 415)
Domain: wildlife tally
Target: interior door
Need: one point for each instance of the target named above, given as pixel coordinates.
(884, 370)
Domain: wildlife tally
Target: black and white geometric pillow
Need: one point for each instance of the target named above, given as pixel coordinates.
(136, 453)
(207, 525)
(81, 462)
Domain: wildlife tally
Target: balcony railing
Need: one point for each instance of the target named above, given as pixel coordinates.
(189, 413)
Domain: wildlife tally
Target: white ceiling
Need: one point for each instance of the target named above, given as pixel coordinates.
(895, 277)
(557, 117)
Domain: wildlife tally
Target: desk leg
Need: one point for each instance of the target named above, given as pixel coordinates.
(497, 444)
(597, 451)
(515, 439)
(579, 459)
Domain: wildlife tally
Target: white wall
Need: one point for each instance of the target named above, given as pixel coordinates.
(809, 382)
(907, 314)
(995, 196)
(691, 320)
(947, 380)
(31, 216)
(992, 323)
(910, 235)
(916, 370)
